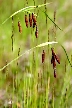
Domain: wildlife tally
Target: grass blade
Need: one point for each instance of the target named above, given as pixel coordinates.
(66, 56)
(25, 9)
(43, 44)
(52, 20)
(46, 43)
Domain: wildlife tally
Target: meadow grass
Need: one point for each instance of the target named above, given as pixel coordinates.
(26, 82)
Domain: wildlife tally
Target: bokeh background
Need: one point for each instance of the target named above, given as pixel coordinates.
(23, 75)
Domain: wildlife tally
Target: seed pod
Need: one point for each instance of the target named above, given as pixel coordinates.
(29, 17)
(19, 23)
(55, 72)
(53, 53)
(31, 23)
(36, 32)
(54, 15)
(43, 56)
(57, 59)
(27, 24)
(34, 25)
(53, 61)
(30, 20)
(54, 64)
(34, 18)
(32, 15)
(26, 21)
(20, 29)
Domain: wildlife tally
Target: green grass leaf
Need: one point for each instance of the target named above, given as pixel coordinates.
(41, 45)
(24, 9)
(52, 20)
(67, 56)
(46, 43)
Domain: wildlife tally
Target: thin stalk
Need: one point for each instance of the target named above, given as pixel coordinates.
(53, 96)
(45, 11)
(12, 32)
(47, 92)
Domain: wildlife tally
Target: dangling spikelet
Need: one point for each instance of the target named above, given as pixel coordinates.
(26, 20)
(53, 53)
(55, 72)
(36, 32)
(34, 20)
(20, 28)
(43, 56)
(54, 15)
(30, 20)
(19, 23)
(34, 25)
(57, 59)
(53, 61)
(32, 16)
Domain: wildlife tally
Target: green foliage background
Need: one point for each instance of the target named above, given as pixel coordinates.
(17, 76)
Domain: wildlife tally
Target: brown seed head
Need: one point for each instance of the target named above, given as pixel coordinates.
(57, 59)
(30, 20)
(43, 56)
(34, 18)
(55, 72)
(19, 23)
(36, 32)
(26, 20)
(20, 29)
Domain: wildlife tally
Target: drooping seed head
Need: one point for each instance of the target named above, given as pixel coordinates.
(43, 56)
(55, 72)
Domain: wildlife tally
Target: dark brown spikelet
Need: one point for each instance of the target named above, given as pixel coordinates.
(36, 32)
(55, 72)
(19, 23)
(34, 25)
(53, 61)
(20, 29)
(57, 59)
(54, 64)
(32, 15)
(26, 20)
(53, 53)
(30, 20)
(43, 56)
(54, 15)
(34, 18)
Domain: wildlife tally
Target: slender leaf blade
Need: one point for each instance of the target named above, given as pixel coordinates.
(25, 9)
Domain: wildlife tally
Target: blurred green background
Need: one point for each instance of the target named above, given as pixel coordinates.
(12, 76)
